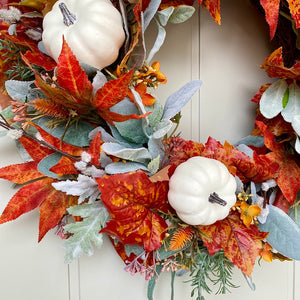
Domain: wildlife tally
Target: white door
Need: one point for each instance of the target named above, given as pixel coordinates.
(226, 58)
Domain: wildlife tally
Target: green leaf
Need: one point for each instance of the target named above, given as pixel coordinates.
(172, 284)
(292, 107)
(285, 98)
(271, 100)
(85, 232)
(284, 233)
(47, 163)
(164, 15)
(150, 12)
(156, 113)
(252, 140)
(182, 14)
(162, 128)
(124, 167)
(131, 130)
(7, 114)
(18, 89)
(152, 282)
(161, 36)
(77, 134)
(154, 164)
(140, 155)
(177, 100)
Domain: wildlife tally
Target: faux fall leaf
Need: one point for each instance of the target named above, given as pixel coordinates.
(40, 59)
(57, 143)
(73, 91)
(28, 171)
(288, 174)
(133, 202)
(257, 169)
(52, 203)
(71, 77)
(181, 237)
(271, 8)
(175, 3)
(241, 245)
(274, 66)
(213, 6)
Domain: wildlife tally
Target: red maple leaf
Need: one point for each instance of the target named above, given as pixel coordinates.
(241, 245)
(40, 59)
(271, 8)
(71, 77)
(288, 174)
(133, 202)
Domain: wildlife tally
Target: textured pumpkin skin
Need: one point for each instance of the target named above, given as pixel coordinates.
(96, 36)
(192, 183)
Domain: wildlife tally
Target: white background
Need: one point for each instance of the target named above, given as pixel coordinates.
(227, 59)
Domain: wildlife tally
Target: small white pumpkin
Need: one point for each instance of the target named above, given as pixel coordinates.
(92, 28)
(202, 191)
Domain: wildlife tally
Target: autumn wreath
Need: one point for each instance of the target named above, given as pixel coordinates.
(101, 154)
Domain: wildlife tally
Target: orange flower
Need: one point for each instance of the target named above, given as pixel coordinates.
(150, 75)
(141, 88)
(266, 253)
(249, 212)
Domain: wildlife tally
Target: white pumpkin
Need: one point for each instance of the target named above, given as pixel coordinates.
(202, 191)
(92, 28)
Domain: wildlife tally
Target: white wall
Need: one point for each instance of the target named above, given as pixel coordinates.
(227, 59)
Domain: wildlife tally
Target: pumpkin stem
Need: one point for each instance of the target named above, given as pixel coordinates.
(214, 198)
(69, 18)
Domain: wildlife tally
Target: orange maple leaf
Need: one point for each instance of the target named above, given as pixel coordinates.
(241, 245)
(52, 203)
(133, 202)
(274, 66)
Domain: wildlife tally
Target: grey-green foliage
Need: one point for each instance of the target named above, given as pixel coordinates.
(284, 233)
(18, 89)
(207, 270)
(284, 99)
(86, 232)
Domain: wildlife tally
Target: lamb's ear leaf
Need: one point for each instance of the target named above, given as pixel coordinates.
(177, 100)
(284, 233)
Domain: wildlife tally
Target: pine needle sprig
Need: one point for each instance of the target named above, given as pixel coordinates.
(216, 270)
(10, 53)
(222, 270)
